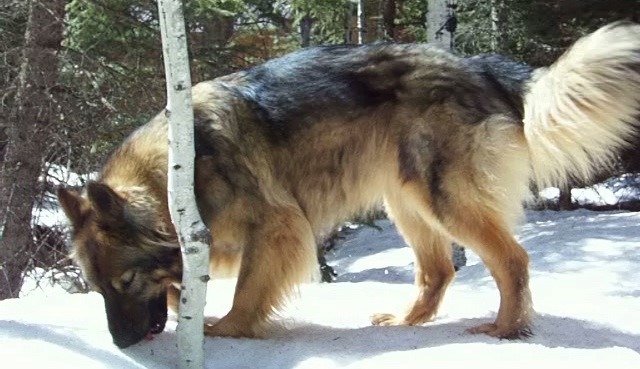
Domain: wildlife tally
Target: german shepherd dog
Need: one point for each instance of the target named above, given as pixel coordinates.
(290, 148)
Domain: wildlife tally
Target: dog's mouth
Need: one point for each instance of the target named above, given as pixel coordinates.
(158, 312)
(155, 329)
(127, 338)
(150, 336)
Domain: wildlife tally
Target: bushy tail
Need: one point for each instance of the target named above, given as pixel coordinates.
(585, 107)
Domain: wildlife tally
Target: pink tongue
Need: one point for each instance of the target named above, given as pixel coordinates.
(149, 336)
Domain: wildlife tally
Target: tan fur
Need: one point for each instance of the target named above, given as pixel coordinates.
(432, 248)
(443, 172)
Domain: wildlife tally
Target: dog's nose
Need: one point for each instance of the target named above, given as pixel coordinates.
(157, 328)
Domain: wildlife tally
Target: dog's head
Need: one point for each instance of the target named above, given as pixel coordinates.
(123, 256)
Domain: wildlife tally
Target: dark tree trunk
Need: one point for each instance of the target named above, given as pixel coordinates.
(350, 24)
(389, 14)
(306, 24)
(498, 20)
(32, 114)
(564, 201)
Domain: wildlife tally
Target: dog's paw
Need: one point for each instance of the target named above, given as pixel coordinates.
(226, 327)
(386, 320)
(510, 333)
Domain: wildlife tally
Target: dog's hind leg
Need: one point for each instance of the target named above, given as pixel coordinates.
(478, 225)
(280, 253)
(433, 268)
(483, 230)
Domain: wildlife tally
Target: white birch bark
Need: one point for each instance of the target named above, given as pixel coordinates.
(437, 14)
(192, 233)
(361, 22)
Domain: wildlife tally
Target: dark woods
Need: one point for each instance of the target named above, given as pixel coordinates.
(77, 76)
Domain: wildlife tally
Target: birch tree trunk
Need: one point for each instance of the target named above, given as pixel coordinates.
(192, 233)
(437, 16)
(361, 21)
(33, 112)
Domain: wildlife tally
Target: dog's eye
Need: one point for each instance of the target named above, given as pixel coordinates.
(127, 278)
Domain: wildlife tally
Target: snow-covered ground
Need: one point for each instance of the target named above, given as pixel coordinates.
(585, 279)
(613, 191)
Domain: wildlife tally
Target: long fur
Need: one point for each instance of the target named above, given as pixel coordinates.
(585, 106)
(288, 149)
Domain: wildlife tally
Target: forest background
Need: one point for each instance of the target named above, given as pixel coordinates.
(77, 76)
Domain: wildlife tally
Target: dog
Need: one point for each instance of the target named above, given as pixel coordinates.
(288, 149)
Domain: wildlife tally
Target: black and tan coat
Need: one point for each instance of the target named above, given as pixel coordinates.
(288, 149)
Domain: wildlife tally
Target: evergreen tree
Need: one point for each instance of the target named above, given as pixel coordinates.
(34, 110)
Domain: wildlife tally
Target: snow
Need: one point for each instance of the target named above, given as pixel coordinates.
(614, 190)
(585, 280)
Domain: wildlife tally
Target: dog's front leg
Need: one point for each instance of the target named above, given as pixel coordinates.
(279, 254)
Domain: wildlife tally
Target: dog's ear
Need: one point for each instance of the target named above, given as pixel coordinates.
(109, 206)
(73, 205)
